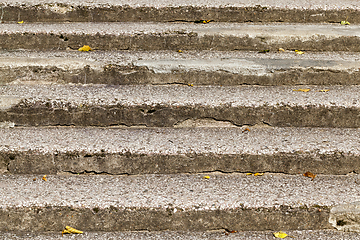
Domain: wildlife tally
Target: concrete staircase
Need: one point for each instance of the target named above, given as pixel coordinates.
(158, 132)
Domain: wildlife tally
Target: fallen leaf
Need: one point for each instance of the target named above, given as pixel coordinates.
(281, 50)
(264, 51)
(180, 51)
(249, 173)
(246, 129)
(310, 175)
(190, 84)
(34, 179)
(280, 234)
(203, 21)
(206, 177)
(301, 90)
(344, 23)
(20, 22)
(258, 174)
(71, 230)
(299, 52)
(325, 90)
(44, 178)
(85, 48)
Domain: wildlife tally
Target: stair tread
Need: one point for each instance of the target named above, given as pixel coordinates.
(252, 235)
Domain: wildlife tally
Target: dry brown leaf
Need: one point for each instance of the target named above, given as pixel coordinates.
(309, 175)
(324, 90)
(246, 129)
(301, 90)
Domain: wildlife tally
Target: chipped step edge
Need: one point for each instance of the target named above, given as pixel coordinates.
(71, 67)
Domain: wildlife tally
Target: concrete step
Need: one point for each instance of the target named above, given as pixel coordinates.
(188, 67)
(181, 36)
(172, 105)
(128, 151)
(173, 202)
(161, 10)
(167, 235)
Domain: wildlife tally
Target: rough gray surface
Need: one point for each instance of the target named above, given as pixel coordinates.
(184, 36)
(189, 67)
(142, 10)
(172, 202)
(345, 217)
(181, 150)
(167, 106)
(304, 235)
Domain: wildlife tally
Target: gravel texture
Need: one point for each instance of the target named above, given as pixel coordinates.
(168, 141)
(178, 192)
(306, 235)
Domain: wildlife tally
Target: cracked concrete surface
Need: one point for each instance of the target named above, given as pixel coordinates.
(167, 106)
(169, 67)
(180, 150)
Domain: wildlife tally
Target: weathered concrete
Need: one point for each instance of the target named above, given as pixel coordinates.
(184, 36)
(223, 10)
(169, 67)
(182, 150)
(346, 217)
(172, 202)
(168, 106)
(167, 235)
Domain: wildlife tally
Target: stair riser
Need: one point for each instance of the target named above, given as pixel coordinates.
(173, 41)
(126, 75)
(128, 163)
(54, 114)
(139, 219)
(63, 13)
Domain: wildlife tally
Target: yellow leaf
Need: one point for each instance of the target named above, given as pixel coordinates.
(71, 230)
(20, 22)
(325, 90)
(85, 48)
(301, 90)
(280, 234)
(299, 52)
(281, 50)
(44, 178)
(258, 174)
(190, 84)
(180, 51)
(206, 177)
(344, 23)
(249, 173)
